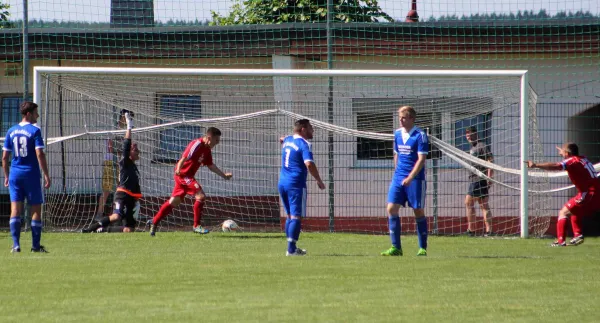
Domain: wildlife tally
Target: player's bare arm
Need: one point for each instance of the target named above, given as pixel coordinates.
(41, 157)
(213, 168)
(544, 166)
(314, 172)
(418, 166)
(490, 172)
(395, 161)
(5, 166)
(179, 165)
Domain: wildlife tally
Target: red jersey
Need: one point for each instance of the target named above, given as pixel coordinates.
(196, 154)
(582, 173)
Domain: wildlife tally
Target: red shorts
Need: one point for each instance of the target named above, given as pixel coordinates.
(185, 186)
(584, 204)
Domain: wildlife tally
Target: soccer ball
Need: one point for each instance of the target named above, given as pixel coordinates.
(229, 225)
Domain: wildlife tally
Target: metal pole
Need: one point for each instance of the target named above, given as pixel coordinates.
(25, 52)
(44, 124)
(435, 171)
(330, 147)
(524, 155)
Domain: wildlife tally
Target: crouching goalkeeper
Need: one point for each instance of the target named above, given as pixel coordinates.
(128, 192)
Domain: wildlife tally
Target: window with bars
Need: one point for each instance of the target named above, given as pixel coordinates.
(173, 141)
(9, 105)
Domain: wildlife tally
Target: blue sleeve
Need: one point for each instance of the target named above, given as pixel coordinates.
(39, 141)
(307, 154)
(423, 144)
(7, 143)
(396, 142)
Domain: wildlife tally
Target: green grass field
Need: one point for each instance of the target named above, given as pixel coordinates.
(182, 277)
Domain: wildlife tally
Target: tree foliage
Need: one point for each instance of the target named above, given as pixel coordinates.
(252, 12)
(4, 14)
(520, 15)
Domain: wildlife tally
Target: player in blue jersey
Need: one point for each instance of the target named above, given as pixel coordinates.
(408, 184)
(25, 143)
(296, 162)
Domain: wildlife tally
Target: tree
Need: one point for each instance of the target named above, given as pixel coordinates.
(4, 14)
(249, 12)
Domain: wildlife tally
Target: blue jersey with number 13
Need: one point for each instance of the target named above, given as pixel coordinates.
(22, 140)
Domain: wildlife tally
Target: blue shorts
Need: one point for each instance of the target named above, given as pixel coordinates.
(294, 200)
(25, 187)
(414, 193)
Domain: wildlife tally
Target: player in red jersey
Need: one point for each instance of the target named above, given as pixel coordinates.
(198, 153)
(587, 201)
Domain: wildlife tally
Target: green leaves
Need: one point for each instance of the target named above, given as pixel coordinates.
(4, 14)
(249, 12)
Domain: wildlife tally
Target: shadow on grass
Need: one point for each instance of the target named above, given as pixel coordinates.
(502, 257)
(249, 236)
(342, 255)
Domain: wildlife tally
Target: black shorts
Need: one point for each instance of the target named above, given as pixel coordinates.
(479, 189)
(125, 205)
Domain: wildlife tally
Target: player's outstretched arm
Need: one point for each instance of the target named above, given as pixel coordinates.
(127, 142)
(129, 120)
(213, 168)
(5, 167)
(41, 157)
(314, 172)
(544, 166)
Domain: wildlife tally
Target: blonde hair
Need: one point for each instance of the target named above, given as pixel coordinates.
(411, 111)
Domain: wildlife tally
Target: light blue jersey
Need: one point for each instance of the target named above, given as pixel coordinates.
(24, 179)
(295, 152)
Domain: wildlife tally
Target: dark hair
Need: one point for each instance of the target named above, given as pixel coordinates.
(572, 148)
(302, 123)
(212, 131)
(471, 129)
(123, 111)
(28, 107)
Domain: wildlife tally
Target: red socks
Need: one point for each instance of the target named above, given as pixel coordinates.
(561, 227)
(165, 210)
(576, 225)
(198, 206)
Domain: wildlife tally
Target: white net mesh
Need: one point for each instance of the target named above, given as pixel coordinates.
(354, 117)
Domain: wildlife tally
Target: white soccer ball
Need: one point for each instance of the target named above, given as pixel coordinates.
(229, 225)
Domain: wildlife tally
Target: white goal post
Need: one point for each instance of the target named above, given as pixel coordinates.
(522, 74)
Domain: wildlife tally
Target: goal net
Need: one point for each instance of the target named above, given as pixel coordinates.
(354, 117)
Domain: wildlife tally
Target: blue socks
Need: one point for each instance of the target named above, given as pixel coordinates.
(395, 228)
(422, 231)
(293, 234)
(15, 231)
(287, 226)
(36, 233)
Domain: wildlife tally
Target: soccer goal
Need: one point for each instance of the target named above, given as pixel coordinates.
(354, 113)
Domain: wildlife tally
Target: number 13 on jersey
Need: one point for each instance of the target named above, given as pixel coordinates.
(20, 146)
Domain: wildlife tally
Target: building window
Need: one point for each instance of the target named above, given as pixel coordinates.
(373, 149)
(482, 122)
(9, 105)
(173, 141)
